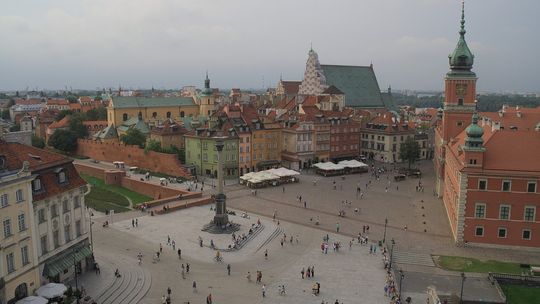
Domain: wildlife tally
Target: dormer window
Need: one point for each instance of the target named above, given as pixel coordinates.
(36, 185)
(61, 175)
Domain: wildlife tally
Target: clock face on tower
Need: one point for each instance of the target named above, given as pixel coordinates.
(461, 89)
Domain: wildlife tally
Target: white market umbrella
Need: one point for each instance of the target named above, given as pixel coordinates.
(51, 290)
(33, 300)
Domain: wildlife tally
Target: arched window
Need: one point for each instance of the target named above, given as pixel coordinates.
(124, 117)
(154, 115)
(168, 114)
(182, 114)
(140, 115)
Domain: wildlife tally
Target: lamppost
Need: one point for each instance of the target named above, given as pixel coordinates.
(462, 281)
(401, 277)
(76, 275)
(384, 237)
(392, 253)
(90, 214)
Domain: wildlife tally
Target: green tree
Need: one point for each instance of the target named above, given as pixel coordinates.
(133, 137)
(99, 113)
(98, 98)
(72, 99)
(77, 127)
(409, 151)
(63, 114)
(153, 145)
(5, 114)
(38, 142)
(181, 155)
(63, 140)
(15, 128)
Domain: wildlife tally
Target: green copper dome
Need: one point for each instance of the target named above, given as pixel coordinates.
(462, 58)
(474, 132)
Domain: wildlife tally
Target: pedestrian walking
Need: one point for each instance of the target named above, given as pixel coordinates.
(160, 248)
(248, 277)
(173, 243)
(194, 287)
(179, 254)
(305, 204)
(263, 289)
(228, 269)
(209, 299)
(133, 223)
(187, 267)
(168, 240)
(337, 227)
(169, 291)
(302, 272)
(266, 254)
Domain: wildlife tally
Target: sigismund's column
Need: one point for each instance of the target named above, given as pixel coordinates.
(220, 219)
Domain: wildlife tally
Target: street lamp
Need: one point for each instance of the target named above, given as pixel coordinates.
(401, 277)
(462, 281)
(392, 253)
(384, 237)
(91, 224)
(76, 275)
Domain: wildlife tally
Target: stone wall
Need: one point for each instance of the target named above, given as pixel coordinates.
(132, 156)
(118, 178)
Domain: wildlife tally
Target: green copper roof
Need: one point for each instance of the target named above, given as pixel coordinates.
(359, 84)
(474, 134)
(146, 102)
(462, 58)
(108, 132)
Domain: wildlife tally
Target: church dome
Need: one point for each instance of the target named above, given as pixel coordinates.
(474, 130)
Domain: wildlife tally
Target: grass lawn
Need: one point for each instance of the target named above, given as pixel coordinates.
(516, 294)
(473, 265)
(104, 197)
(135, 197)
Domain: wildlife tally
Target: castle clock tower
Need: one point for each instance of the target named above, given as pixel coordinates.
(460, 88)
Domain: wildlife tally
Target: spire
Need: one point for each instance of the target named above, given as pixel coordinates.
(207, 91)
(462, 59)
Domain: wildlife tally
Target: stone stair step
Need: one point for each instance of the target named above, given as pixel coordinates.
(413, 258)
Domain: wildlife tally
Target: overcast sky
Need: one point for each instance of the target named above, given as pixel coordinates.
(92, 44)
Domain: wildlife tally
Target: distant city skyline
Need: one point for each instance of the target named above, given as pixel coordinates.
(86, 44)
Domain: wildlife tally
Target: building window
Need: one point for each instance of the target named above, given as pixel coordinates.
(7, 228)
(10, 260)
(459, 123)
(182, 114)
(36, 185)
(78, 228)
(67, 234)
(530, 214)
(62, 177)
(24, 255)
(56, 238)
(19, 195)
(479, 231)
(526, 234)
(41, 216)
(531, 187)
(124, 117)
(460, 102)
(76, 202)
(154, 115)
(480, 211)
(22, 222)
(54, 211)
(482, 184)
(502, 232)
(168, 114)
(506, 185)
(4, 200)
(43, 242)
(504, 212)
(65, 206)
(472, 161)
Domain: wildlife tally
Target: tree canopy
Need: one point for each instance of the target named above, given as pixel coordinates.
(63, 140)
(63, 114)
(38, 142)
(409, 151)
(77, 127)
(133, 137)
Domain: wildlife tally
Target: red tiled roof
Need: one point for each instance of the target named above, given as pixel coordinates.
(59, 102)
(44, 164)
(27, 101)
(62, 123)
(291, 87)
(522, 118)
